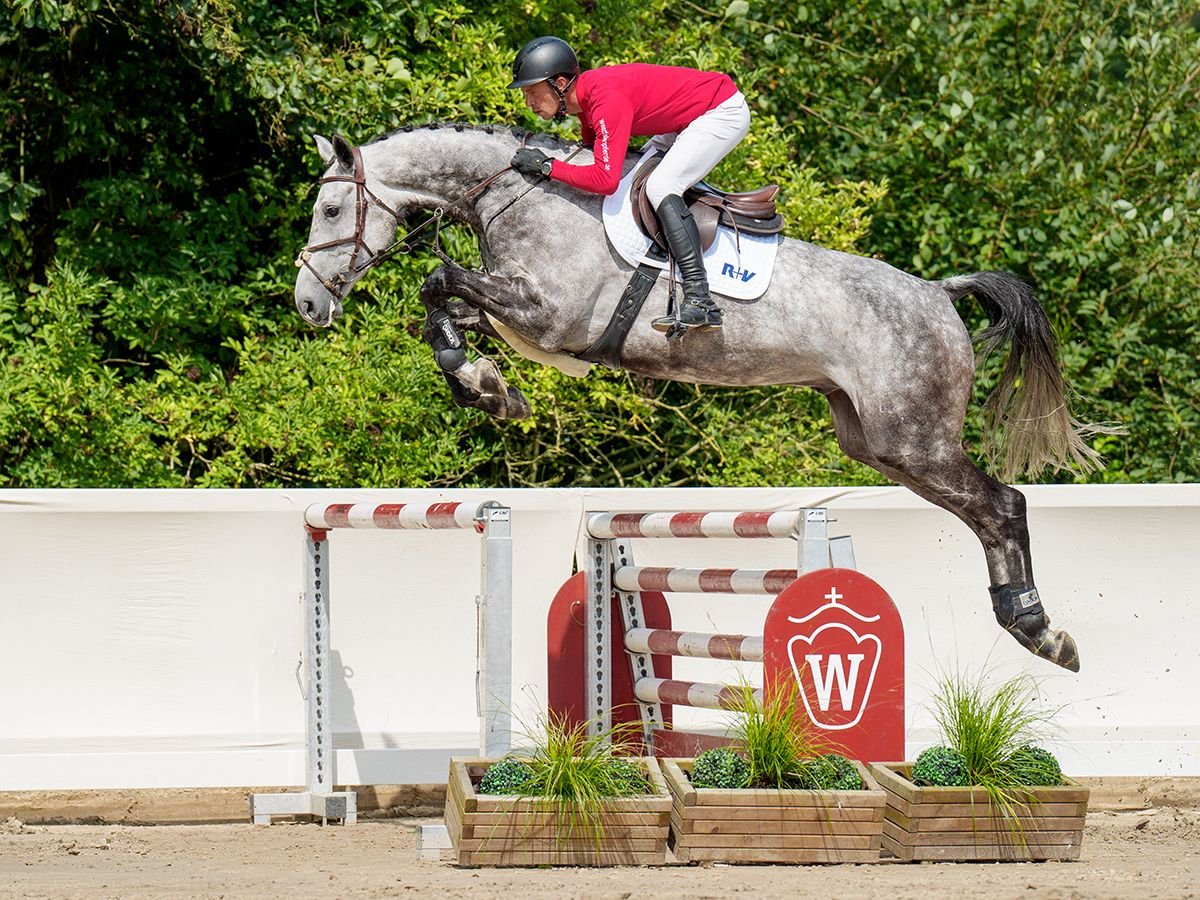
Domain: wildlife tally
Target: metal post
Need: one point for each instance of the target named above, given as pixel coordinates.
(841, 552)
(597, 657)
(817, 549)
(319, 723)
(641, 665)
(320, 799)
(814, 541)
(493, 689)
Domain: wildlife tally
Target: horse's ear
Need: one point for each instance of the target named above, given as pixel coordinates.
(324, 149)
(345, 153)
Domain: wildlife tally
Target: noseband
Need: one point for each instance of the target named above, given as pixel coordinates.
(363, 198)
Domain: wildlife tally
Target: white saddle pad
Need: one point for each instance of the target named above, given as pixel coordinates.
(738, 267)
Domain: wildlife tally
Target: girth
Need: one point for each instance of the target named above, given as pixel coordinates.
(607, 348)
(750, 211)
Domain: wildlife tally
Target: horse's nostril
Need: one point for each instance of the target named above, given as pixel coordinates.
(308, 307)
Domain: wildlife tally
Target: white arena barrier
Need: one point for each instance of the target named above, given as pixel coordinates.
(157, 633)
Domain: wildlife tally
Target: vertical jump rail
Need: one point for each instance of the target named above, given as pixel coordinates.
(611, 570)
(493, 684)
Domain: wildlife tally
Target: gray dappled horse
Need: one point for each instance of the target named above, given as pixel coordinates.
(886, 349)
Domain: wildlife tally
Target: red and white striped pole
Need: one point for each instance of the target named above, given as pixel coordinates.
(321, 516)
(691, 693)
(766, 524)
(702, 581)
(701, 645)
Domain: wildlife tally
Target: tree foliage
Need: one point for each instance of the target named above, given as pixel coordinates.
(156, 171)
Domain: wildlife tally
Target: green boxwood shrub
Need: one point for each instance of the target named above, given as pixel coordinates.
(831, 772)
(628, 776)
(941, 767)
(721, 767)
(1036, 766)
(505, 777)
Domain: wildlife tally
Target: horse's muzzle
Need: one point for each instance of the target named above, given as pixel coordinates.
(318, 312)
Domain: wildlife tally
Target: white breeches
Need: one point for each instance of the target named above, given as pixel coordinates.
(694, 152)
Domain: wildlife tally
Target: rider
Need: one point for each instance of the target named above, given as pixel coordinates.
(697, 116)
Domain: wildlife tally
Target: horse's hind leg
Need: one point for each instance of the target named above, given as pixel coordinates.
(478, 384)
(921, 455)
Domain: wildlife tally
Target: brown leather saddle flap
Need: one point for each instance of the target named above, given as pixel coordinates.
(752, 211)
(759, 204)
(643, 211)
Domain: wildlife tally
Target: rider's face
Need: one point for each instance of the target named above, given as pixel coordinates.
(541, 99)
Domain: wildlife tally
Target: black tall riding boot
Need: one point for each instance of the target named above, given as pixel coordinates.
(683, 237)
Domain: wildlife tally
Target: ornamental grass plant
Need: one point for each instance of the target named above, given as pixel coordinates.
(781, 748)
(992, 733)
(996, 729)
(565, 762)
(571, 765)
(562, 797)
(775, 741)
(574, 775)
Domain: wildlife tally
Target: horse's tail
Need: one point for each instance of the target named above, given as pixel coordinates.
(1027, 424)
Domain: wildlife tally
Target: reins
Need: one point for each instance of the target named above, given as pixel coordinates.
(401, 244)
(521, 195)
(363, 198)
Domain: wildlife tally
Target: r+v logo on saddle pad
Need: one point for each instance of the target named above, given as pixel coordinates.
(744, 274)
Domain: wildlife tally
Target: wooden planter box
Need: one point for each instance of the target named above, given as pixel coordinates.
(953, 823)
(773, 826)
(506, 830)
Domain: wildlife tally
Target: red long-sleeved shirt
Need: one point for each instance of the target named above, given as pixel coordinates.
(618, 102)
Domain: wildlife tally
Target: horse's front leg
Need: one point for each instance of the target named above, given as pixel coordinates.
(476, 384)
(467, 318)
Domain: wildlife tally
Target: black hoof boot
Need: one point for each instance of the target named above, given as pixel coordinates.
(1019, 612)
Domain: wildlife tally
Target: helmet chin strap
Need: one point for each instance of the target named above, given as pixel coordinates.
(562, 97)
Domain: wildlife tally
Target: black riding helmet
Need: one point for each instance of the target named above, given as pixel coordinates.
(541, 59)
(544, 59)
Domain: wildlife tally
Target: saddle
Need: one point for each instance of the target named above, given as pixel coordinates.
(751, 211)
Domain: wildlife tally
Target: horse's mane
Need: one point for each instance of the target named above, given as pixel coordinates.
(556, 143)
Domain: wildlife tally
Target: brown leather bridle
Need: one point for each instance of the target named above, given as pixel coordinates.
(363, 198)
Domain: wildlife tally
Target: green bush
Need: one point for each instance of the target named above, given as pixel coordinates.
(508, 776)
(629, 776)
(830, 772)
(941, 767)
(156, 174)
(720, 767)
(1035, 766)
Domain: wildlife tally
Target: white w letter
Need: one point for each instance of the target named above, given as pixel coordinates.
(823, 681)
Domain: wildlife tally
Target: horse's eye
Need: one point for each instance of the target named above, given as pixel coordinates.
(332, 211)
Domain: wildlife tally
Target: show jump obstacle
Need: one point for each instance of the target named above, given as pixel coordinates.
(494, 618)
(831, 628)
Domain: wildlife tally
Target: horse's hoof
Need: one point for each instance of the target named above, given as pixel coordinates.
(492, 404)
(518, 406)
(463, 396)
(510, 405)
(488, 377)
(1056, 646)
